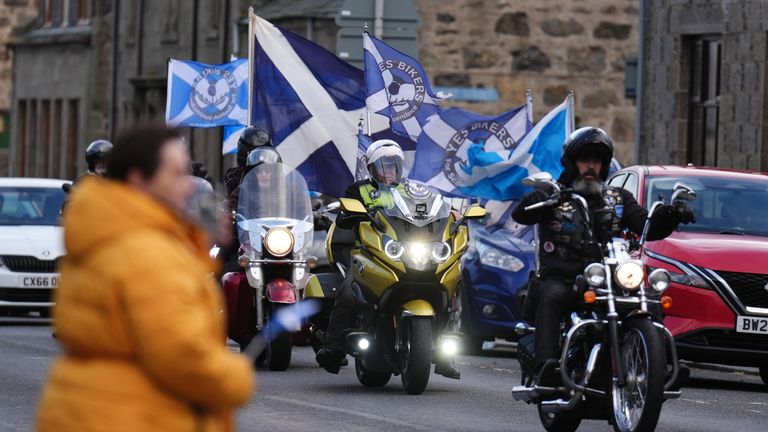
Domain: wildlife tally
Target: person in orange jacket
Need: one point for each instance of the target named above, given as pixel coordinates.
(137, 311)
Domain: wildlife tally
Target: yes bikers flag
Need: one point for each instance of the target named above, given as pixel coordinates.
(397, 86)
(202, 95)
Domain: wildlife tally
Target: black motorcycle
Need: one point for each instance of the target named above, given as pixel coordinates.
(618, 361)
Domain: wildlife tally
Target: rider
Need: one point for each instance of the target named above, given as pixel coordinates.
(384, 160)
(260, 155)
(564, 249)
(252, 138)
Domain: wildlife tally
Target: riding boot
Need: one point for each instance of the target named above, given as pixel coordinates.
(447, 368)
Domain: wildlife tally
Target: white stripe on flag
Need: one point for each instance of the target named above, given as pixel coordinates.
(439, 131)
(184, 71)
(377, 101)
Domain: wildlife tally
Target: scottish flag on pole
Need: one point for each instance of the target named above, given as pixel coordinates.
(397, 86)
(201, 95)
(467, 154)
(363, 142)
(310, 101)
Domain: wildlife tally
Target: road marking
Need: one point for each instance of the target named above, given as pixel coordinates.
(347, 412)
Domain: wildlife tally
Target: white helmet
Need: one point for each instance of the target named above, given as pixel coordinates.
(384, 159)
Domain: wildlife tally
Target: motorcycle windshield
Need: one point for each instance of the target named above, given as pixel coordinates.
(272, 196)
(416, 203)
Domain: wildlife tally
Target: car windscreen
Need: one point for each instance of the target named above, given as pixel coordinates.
(30, 206)
(722, 204)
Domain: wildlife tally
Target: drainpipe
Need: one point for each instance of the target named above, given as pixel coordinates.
(195, 16)
(115, 44)
(378, 21)
(140, 42)
(225, 57)
(640, 77)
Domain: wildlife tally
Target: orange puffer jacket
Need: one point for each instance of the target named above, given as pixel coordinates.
(141, 322)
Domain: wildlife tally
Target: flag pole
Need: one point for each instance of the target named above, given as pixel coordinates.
(571, 114)
(251, 49)
(367, 113)
(529, 102)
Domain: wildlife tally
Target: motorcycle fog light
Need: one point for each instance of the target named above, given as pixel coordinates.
(279, 242)
(659, 280)
(441, 252)
(363, 344)
(630, 275)
(394, 250)
(595, 274)
(449, 346)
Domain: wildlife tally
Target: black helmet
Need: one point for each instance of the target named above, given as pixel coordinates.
(96, 152)
(586, 141)
(252, 137)
(263, 155)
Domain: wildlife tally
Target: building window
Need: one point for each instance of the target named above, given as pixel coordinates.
(704, 99)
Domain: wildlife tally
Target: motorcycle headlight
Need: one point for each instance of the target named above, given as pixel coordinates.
(441, 252)
(629, 275)
(279, 242)
(659, 280)
(595, 275)
(418, 252)
(501, 261)
(394, 249)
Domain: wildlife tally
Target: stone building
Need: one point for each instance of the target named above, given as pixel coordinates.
(77, 77)
(704, 89)
(14, 15)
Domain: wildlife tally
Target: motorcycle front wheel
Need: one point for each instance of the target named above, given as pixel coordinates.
(416, 354)
(277, 355)
(637, 405)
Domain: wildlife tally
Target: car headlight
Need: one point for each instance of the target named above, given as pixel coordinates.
(394, 249)
(688, 279)
(629, 275)
(659, 280)
(441, 252)
(493, 258)
(595, 275)
(279, 241)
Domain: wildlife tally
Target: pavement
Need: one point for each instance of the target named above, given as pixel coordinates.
(306, 398)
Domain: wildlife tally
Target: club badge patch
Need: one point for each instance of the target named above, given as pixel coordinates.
(549, 247)
(215, 94)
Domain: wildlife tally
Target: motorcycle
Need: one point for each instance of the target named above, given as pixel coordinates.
(275, 228)
(405, 269)
(615, 348)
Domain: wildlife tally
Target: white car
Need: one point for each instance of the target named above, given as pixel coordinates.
(31, 242)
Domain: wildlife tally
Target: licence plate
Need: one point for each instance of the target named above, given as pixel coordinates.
(39, 281)
(750, 324)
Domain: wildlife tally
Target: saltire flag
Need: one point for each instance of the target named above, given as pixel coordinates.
(202, 95)
(397, 87)
(463, 154)
(310, 101)
(231, 136)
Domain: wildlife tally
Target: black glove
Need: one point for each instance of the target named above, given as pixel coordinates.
(683, 213)
(322, 222)
(199, 170)
(534, 197)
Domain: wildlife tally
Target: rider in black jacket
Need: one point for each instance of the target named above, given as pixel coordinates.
(565, 248)
(252, 138)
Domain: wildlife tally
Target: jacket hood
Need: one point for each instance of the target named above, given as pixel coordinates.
(100, 211)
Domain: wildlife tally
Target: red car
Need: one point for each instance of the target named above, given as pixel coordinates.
(719, 265)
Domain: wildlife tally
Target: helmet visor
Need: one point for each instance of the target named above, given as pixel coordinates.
(266, 155)
(387, 170)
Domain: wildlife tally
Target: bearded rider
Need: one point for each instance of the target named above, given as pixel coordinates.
(564, 250)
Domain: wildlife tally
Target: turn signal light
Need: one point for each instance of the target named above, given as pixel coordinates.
(590, 297)
(666, 302)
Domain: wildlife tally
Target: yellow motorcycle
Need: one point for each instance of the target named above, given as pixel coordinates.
(405, 265)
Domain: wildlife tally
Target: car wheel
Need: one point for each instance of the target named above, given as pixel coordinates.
(764, 374)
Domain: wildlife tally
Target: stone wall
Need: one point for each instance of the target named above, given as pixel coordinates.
(743, 125)
(548, 46)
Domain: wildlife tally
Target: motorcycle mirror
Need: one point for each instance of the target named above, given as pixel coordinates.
(475, 212)
(683, 191)
(350, 205)
(537, 178)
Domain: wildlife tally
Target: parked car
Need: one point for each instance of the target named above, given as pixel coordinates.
(31, 242)
(495, 273)
(719, 265)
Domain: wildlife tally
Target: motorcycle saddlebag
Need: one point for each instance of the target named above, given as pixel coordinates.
(239, 299)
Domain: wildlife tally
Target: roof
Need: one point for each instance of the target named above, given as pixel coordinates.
(673, 170)
(32, 182)
(277, 9)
